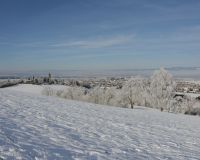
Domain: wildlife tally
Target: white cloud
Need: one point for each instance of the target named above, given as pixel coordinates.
(97, 43)
(101, 42)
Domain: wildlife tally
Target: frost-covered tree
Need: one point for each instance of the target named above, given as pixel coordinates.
(133, 91)
(79, 93)
(102, 95)
(96, 95)
(48, 91)
(120, 99)
(110, 96)
(161, 89)
(184, 104)
(73, 93)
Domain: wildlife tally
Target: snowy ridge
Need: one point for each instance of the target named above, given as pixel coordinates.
(39, 127)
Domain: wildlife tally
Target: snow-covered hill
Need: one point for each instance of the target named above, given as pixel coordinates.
(38, 127)
(34, 89)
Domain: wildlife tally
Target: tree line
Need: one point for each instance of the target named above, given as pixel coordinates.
(158, 91)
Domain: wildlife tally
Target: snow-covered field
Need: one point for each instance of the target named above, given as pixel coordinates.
(35, 89)
(193, 95)
(33, 126)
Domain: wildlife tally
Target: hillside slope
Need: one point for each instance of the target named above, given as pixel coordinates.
(39, 127)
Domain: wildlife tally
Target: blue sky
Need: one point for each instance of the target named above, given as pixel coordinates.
(98, 34)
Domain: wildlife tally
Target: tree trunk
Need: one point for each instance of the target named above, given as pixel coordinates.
(132, 105)
(131, 102)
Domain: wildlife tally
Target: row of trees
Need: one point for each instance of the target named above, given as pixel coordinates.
(41, 80)
(156, 92)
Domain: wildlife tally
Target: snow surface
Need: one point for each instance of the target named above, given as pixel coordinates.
(193, 95)
(34, 89)
(38, 127)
